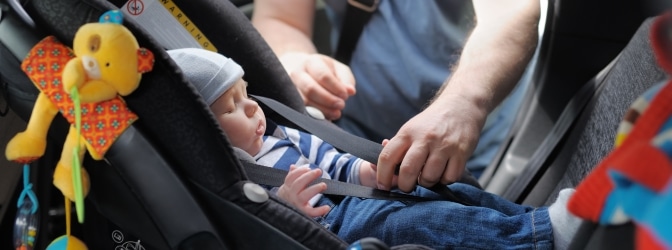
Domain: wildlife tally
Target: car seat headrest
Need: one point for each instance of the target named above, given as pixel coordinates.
(243, 156)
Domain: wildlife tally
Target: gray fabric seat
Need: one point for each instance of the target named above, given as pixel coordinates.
(633, 72)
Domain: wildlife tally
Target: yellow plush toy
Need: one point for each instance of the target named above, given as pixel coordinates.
(85, 87)
(107, 62)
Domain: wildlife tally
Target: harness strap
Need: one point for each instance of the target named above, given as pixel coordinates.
(268, 176)
(357, 15)
(344, 141)
(537, 165)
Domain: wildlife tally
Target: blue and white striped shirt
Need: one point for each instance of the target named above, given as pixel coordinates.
(285, 146)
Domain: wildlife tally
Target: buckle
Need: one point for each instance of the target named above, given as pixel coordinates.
(368, 6)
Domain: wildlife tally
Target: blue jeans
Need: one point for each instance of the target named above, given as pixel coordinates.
(493, 223)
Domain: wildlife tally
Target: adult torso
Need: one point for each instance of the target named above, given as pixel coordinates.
(403, 56)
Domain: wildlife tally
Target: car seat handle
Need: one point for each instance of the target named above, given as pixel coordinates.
(21, 12)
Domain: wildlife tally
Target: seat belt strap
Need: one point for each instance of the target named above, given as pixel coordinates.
(357, 14)
(268, 176)
(344, 141)
(23, 36)
(538, 164)
(325, 130)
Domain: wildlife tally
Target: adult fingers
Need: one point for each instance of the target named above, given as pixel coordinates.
(388, 160)
(321, 68)
(315, 95)
(454, 169)
(373, 165)
(329, 113)
(384, 143)
(345, 76)
(434, 168)
(411, 166)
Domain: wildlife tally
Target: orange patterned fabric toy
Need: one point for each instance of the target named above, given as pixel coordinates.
(106, 62)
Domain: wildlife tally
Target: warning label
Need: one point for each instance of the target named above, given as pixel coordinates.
(167, 24)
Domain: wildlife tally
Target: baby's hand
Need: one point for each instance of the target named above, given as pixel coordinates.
(296, 191)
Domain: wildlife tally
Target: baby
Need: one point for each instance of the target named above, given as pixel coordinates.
(219, 81)
(492, 223)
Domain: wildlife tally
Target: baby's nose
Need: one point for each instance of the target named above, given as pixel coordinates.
(251, 107)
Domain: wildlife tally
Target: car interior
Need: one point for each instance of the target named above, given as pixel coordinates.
(173, 181)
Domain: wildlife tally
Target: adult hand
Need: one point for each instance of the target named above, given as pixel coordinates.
(323, 82)
(368, 173)
(296, 190)
(433, 146)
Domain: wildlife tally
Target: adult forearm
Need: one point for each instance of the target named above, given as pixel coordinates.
(282, 37)
(494, 57)
(287, 26)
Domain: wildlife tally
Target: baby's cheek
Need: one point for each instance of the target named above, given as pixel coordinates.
(240, 142)
(256, 147)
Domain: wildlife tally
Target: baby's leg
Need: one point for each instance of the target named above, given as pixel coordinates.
(564, 223)
(443, 224)
(480, 198)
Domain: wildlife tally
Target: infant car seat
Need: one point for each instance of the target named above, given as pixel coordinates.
(171, 180)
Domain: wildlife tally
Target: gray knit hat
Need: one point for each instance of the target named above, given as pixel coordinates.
(210, 72)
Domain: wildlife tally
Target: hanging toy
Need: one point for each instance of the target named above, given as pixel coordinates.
(67, 241)
(27, 218)
(85, 85)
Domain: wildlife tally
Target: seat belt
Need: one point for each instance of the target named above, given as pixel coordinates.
(537, 164)
(269, 176)
(357, 14)
(344, 141)
(22, 37)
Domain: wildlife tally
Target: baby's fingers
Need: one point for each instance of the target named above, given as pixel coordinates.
(316, 211)
(311, 191)
(306, 178)
(294, 174)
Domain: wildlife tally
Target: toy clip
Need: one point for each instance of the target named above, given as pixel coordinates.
(27, 218)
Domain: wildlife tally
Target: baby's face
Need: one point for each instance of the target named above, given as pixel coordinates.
(241, 118)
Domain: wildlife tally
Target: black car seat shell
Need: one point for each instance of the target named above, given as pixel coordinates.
(153, 177)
